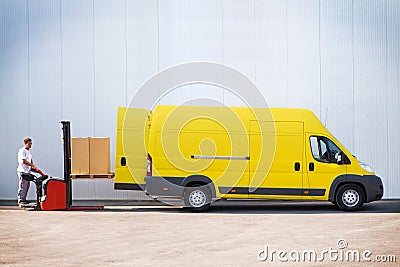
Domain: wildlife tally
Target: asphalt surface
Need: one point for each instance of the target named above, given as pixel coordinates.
(231, 233)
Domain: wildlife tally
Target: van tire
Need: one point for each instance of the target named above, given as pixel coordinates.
(197, 197)
(349, 197)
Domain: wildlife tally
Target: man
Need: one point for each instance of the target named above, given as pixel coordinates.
(25, 165)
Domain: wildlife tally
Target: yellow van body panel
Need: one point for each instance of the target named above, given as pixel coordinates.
(180, 134)
(246, 152)
(289, 150)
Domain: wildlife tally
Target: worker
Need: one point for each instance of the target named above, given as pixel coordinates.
(25, 165)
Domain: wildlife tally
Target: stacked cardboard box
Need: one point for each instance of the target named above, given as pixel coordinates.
(90, 155)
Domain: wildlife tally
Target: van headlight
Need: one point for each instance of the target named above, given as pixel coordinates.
(366, 167)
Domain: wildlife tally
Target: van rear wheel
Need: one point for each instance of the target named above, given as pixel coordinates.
(197, 197)
(349, 197)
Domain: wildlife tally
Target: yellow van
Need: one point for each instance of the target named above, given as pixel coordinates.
(203, 154)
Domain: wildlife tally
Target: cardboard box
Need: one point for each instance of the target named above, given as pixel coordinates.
(99, 155)
(80, 155)
(90, 155)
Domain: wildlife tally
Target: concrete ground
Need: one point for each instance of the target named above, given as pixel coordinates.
(232, 233)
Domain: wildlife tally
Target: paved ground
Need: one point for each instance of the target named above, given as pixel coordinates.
(128, 234)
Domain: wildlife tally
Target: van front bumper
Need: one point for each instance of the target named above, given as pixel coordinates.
(371, 183)
(373, 187)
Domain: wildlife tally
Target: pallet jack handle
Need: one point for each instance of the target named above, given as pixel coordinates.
(66, 138)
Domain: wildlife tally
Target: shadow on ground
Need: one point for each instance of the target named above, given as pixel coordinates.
(234, 207)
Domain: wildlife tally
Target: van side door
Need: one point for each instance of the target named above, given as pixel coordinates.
(283, 177)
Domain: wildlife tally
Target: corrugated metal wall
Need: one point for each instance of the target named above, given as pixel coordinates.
(80, 59)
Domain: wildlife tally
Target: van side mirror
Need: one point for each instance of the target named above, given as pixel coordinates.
(342, 158)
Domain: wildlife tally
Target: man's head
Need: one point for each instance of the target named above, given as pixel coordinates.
(28, 143)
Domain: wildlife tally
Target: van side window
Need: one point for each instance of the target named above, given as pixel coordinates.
(314, 147)
(323, 149)
(334, 151)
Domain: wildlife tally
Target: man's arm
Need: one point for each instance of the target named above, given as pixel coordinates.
(29, 164)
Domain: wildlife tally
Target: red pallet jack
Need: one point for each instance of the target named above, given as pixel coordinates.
(56, 193)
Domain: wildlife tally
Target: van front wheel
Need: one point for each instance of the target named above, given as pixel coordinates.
(349, 197)
(197, 198)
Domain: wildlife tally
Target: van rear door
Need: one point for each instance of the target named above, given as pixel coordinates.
(131, 153)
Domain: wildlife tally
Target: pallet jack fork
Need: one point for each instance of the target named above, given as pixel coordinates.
(56, 193)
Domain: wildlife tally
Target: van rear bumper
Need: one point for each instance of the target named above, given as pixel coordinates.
(164, 186)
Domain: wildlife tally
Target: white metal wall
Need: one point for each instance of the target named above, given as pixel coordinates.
(80, 59)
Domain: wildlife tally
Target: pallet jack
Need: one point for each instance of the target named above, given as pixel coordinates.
(54, 193)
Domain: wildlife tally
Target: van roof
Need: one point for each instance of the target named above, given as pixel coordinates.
(306, 116)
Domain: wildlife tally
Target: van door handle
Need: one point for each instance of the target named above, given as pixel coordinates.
(123, 161)
(311, 166)
(297, 166)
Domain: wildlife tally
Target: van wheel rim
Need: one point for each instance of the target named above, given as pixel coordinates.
(197, 198)
(350, 198)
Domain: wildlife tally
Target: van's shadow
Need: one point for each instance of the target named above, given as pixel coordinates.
(266, 207)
